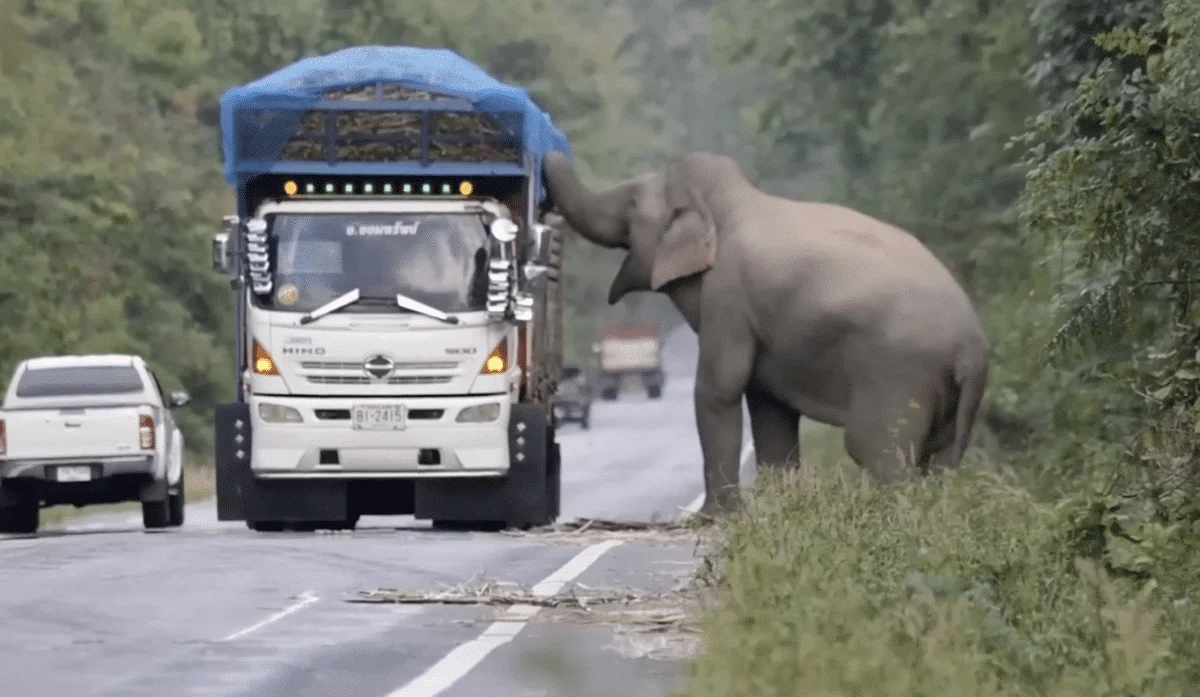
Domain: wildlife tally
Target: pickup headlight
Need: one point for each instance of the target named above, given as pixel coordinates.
(480, 413)
(278, 414)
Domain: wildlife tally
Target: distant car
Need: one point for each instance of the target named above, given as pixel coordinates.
(86, 430)
(573, 401)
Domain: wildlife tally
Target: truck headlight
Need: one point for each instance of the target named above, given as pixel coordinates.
(278, 414)
(479, 413)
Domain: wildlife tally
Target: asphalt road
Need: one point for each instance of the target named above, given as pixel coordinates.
(102, 608)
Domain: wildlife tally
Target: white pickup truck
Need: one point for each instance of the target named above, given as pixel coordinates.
(86, 430)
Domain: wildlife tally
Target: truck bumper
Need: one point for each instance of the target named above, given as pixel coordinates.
(432, 442)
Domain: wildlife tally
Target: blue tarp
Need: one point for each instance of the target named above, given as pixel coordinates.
(287, 93)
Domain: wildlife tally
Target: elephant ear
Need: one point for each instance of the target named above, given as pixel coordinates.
(688, 246)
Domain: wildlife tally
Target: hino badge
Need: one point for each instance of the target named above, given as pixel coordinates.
(397, 296)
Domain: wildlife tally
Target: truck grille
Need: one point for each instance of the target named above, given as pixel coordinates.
(394, 380)
(344, 414)
(338, 365)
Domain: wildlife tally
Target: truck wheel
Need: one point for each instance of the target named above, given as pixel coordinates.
(156, 514)
(21, 519)
(468, 525)
(609, 394)
(654, 391)
(265, 525)
(176, 504)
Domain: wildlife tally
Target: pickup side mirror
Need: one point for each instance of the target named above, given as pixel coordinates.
(179, 399)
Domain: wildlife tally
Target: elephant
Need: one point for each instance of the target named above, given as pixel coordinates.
(801, 308)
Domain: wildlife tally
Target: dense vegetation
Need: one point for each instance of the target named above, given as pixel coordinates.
(1046, 149)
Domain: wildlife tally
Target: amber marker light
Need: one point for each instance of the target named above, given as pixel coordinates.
(290, 188)
(497, 360)
(466, 188)
(263, 363)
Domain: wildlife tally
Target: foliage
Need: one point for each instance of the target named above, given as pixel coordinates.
(965, 585)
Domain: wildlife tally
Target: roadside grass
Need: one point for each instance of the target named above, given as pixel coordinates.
(962, 585)
(199, 485)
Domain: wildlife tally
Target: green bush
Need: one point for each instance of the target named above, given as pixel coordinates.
(963, 585)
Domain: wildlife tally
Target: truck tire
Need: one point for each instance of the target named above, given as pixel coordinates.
(176, 503)
(22, 518)
(608, 394)
(654, 391)
(156, 514)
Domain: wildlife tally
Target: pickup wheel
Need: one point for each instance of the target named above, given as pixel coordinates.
(156, 514)
(176, 504)
(21, 519)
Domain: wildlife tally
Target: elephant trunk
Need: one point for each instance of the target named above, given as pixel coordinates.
(600, 217)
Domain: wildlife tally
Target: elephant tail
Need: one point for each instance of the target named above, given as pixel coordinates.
(971, 375)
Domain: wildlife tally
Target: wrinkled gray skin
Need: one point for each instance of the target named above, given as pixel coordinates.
(802, 308)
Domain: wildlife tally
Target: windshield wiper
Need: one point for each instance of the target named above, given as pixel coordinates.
(332, 306)
(409, 304)
(354, 296)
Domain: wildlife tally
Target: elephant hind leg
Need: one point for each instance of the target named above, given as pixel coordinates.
(888, 433)
(776, 430)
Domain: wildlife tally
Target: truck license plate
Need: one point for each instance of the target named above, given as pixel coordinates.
(80, 473)
(378, 417)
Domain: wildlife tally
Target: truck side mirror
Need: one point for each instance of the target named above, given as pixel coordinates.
(222, 254)
(538, 259)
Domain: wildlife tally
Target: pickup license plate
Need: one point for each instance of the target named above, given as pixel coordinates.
(79, 473)
(378, 417)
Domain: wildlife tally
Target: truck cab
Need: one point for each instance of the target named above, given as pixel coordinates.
(399, 319)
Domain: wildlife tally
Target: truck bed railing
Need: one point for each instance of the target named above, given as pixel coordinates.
(376, 123)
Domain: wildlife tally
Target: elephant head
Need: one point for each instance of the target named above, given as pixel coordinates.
(667, 220)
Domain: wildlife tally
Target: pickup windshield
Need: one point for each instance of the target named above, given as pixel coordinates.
(437, 259)
(68, 381)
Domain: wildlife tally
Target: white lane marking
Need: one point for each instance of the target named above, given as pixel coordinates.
(456, 664)
(307, 598)
(690, 509)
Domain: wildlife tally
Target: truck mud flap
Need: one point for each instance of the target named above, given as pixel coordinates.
(527, 496)
(231, 450)
(240, 496)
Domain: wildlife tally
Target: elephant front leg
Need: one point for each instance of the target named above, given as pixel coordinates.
(724, 370)
(776, 430)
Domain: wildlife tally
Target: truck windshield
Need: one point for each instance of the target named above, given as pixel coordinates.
(79, 380)
(436, 259)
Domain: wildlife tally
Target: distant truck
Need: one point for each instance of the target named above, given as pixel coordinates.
(87, 430)
(626, 351)
(396, 292)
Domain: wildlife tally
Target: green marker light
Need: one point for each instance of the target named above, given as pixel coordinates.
(329, 187)
(369, 188)
(310, 188)
(408, 188)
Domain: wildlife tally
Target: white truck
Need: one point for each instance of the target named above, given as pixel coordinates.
(89, 429)
(397, 299)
